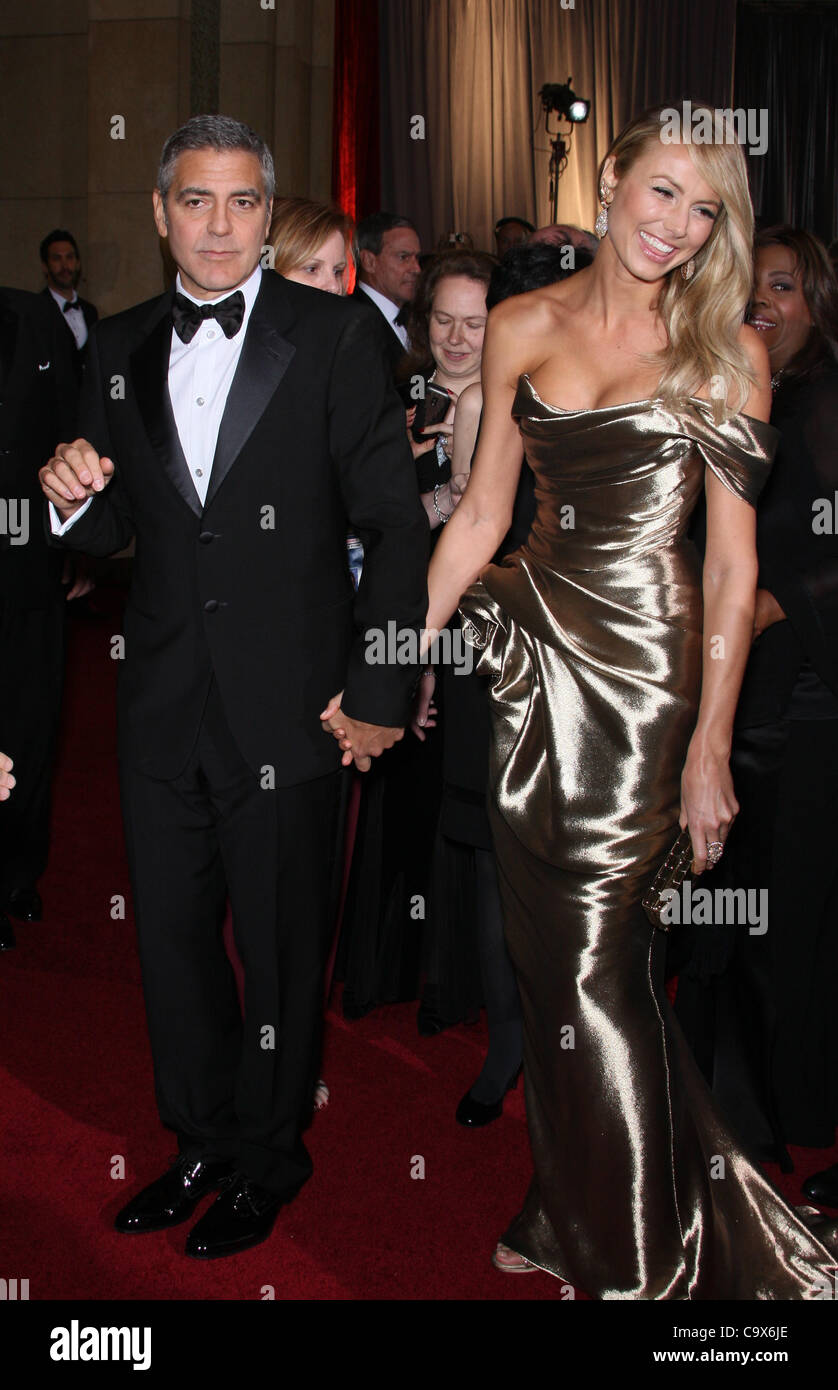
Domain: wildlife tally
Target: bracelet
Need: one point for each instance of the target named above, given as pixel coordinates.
(443, 516)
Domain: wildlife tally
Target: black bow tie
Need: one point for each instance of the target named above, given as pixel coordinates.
(188, 317)
(71, 304)
(403, 315)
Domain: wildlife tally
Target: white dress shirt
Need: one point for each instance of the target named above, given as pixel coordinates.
(200, 376)
(389, 310)
(74, 316)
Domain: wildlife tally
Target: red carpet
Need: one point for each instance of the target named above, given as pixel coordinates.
(76, 1094)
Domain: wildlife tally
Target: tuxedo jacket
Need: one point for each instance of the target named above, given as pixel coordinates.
(37, 410)
(393, 345)
(91, 316)
(253, 587)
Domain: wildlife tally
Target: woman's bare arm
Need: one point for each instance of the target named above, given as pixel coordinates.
(708, 803)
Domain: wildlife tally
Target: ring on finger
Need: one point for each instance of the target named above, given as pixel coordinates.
(715, 850)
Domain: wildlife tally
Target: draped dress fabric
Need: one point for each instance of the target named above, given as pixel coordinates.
(591, 636)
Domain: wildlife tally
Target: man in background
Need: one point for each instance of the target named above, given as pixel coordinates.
(388, 270)
(37, 408)
(62, 268)
(511, 231)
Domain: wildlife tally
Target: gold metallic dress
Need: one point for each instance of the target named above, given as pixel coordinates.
(591, 637)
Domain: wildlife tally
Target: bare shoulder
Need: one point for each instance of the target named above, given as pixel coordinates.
(470, 402)
(756, 351)
(758, 404)
(528, 326)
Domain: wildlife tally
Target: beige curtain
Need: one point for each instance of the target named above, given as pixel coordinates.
(472, 69)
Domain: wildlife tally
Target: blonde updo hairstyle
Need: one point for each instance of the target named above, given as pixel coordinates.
(703, 315)
(299, 227)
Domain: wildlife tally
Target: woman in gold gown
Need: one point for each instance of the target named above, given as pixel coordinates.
(632, 385)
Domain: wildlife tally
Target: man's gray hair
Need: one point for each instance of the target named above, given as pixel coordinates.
(214, 133)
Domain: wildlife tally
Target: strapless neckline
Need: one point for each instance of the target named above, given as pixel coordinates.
(624, 405)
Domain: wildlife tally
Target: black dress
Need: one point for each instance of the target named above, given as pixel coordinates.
(758, 1006)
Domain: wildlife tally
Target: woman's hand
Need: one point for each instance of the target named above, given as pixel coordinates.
(708, 803)
(425, 446)
(767, 611)
(424, 709)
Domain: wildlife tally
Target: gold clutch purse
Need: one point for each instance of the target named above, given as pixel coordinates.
(668, 879)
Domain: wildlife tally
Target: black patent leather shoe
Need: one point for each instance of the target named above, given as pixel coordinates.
(173, 1198)
(474, 1113)
(822, 1188)
(7, 933)
(26, 905)
(242, 1215)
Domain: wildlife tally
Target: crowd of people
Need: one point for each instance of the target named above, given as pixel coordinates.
(522, 446)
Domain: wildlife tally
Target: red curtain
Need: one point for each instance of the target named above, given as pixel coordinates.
(356, 167)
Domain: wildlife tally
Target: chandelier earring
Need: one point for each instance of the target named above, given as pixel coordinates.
(606, 194)
(688, 269)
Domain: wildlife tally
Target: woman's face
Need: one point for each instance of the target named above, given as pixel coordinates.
(325, 269)
(779, 311)
(457, 325)
(662, 213)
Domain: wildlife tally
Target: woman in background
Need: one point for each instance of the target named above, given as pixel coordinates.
(388, 939)
(465, 887)
(312, 243)
(758, 1006)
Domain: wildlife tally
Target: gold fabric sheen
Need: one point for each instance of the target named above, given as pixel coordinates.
(591, 637)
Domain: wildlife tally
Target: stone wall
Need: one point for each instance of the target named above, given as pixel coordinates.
(72, 68)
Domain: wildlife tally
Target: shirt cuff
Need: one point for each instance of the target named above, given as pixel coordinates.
(59, 527)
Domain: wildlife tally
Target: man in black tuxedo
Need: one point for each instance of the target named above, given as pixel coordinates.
(237, 428)
(62, 269)
(37, 408)
(388, 271)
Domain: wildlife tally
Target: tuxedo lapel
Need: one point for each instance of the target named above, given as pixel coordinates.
(150, 375)
(264, 360)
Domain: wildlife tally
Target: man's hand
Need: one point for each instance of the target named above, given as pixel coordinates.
(7, 781)
(360, 742)
(75, 473)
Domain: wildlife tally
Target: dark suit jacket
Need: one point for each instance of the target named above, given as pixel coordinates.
(392, 342)
(90, 314)
(798, 563)
(254, 586)
(37, 409)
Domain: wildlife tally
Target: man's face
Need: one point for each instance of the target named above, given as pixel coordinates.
(395, 270)
(510, 234)
(62, 267)
(215, 218)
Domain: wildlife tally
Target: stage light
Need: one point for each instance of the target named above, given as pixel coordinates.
(560, 97)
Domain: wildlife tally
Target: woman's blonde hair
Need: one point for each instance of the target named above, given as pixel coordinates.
(703, 315)
(299, 227)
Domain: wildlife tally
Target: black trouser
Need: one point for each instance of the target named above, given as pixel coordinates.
(230, 1086)
(31, 668)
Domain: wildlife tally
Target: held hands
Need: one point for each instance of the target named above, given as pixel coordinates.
(7, 781)
(360, 742)
(75, 473)
(708, 804)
